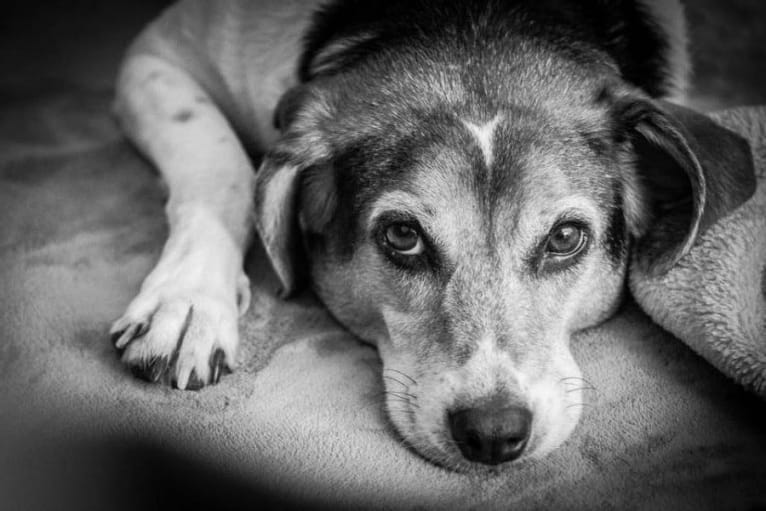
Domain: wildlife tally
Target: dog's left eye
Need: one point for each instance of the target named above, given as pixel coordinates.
(404, 239)
(565, 240)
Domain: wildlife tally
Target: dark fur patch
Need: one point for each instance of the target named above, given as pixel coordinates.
(600, 142)
(363, 171)
(287, 107)
(184, 115)
(582, 31)
(763, 282)
(616, 238)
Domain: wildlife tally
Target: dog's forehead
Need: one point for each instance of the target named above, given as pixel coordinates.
(495, 170)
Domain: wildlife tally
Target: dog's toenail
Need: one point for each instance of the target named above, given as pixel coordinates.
(116, 336)
(126, 336)
(217, 364)
(194, 382)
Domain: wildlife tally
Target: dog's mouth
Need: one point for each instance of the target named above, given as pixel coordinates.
(490, 434)
(463, 452)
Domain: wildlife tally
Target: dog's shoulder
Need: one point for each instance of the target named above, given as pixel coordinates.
(244, 53)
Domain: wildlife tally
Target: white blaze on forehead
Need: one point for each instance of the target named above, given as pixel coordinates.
(484, 135)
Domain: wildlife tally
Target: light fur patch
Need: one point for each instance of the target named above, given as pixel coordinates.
(277, 191)
(484, 135)
(191, 297)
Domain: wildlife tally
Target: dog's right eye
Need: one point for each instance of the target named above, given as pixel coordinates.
(565, 240)
(405, 245)
(404, 239)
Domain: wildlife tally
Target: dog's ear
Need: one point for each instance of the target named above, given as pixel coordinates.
(276, 203)
(691, 172)
(288, 107)
(291, 198)
(294, 189)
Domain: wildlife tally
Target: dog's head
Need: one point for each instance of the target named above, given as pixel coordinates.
(469, 235)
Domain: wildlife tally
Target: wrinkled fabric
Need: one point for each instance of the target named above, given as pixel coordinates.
(714, 299)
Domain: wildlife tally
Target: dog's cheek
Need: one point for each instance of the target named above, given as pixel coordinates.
(599, 292)
(352, 289)
(557, 402)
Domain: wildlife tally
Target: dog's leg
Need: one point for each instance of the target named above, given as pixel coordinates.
(182, 326)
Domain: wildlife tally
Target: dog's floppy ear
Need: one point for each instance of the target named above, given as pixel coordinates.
(291, 197)
(690, 170)
(276, 204)
(288, 107)
(295, 175)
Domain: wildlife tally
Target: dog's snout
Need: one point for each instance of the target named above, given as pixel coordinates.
(491, 435)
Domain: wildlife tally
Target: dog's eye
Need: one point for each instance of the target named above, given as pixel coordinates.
(565, 240)
(404, 239)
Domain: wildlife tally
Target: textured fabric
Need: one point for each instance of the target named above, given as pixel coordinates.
(714, 298)
(82, 224)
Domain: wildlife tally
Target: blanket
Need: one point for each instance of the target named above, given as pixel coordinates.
(715, 297)
(301, 422)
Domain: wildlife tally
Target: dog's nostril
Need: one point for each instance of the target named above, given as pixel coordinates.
(473, 440)
(491, 435)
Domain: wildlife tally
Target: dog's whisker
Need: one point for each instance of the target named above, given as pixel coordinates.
(390, 396)
(409, 402)
(414, 382)
(586, 387)
(580, 404)
(575, 383)
(379, 400)
(408, 408)
(400, 394)
(578, 378)
(397, 381)
(399, 399)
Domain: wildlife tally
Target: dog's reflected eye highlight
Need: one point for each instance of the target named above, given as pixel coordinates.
(404, 239)
(566, 240)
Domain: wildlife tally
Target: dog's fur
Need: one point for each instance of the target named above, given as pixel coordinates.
(481, 124)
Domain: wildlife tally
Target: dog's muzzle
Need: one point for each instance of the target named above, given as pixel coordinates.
(489, 434)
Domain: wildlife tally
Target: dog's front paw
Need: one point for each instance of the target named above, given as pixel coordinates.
(181, 337)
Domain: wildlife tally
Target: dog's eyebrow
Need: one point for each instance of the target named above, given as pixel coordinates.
(573, 206)
(398, 201)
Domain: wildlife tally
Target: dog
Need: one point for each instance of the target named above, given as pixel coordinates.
(463, 184)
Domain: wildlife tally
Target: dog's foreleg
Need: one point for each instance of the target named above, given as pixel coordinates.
(181, 328)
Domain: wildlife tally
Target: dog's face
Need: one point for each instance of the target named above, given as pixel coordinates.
(468, 240)
(470, 268)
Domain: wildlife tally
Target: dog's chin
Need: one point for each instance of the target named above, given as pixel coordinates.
(427, 444)
(446, 455)
(433, 443)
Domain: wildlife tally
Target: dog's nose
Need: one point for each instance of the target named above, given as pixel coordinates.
(489, 434)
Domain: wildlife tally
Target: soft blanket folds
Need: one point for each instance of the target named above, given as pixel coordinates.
(715, 298)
